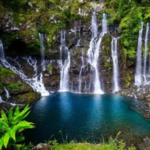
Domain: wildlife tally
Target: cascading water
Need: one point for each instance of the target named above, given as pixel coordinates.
(80, 73)
(41, 37)
(93, 52)
(11, 104)
(138, 73)
(64, 64)
(2, 54)
(104, 24)
(36, 82)
(7, 93)
(1, 99)
(145, 55)
(114, 55)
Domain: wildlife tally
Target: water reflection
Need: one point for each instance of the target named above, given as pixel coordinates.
(65, 106)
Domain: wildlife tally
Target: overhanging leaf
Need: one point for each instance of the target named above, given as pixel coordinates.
(6, 139)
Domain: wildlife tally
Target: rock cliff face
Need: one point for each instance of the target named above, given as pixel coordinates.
(78, 37)
(78, 41)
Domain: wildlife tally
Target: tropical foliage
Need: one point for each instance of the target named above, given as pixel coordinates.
(11, 127)
(128, 14)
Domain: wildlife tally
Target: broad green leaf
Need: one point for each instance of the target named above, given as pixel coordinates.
(10, 113)
(18, 117)
(3, 123)
(1, 142)
(6, 139)
(3, 115)
(16, 111)
(23, 125)
(13, 133)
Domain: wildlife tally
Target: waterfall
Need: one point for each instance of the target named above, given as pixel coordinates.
(80, 73)
(93, 52)
(2, 54)
(78, 43)
(7, 93)
(145, 55)
(104, 24)
(36, 82)
(64, 64)
(1, 99)
(138, 73)
(41, 37)
(94, 26)
(11, 104)
(115, 64)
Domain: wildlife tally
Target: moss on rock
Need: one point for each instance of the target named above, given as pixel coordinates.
(27, 97)
(19, 87)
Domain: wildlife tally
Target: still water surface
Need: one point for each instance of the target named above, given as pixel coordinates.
(85, 117)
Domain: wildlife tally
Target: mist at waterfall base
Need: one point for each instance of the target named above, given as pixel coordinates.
(82, 117)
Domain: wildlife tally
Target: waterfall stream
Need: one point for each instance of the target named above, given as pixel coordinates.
(2, 54)
(64, 64)
(36, 82)
(41, 37)
(93, 52)
(7, 93)
(115, 64)
(138, 73)
(104, 24)
(145, 55)
(80, 73)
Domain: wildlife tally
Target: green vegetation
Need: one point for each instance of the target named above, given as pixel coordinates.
(4, 72)
(36, 16)
(11, 128)
(128, 14)
(128, 80)
(49, 67)
(15, 85)
(113, 144)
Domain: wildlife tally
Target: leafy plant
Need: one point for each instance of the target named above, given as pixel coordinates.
(11, 127)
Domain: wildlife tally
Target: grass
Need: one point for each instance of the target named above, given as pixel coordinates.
(112, 144)
(88, 146)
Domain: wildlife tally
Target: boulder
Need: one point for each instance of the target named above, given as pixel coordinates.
(42, 146)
